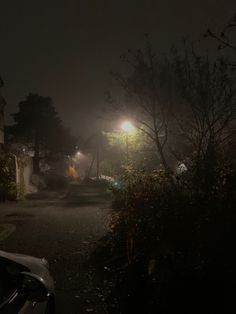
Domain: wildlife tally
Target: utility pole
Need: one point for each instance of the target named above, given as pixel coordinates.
(98, 162)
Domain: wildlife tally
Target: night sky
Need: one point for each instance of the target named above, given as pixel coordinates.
(66, 48)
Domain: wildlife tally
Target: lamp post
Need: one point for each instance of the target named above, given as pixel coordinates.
(128, 128)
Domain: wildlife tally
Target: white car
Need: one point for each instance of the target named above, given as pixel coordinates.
(26, 285)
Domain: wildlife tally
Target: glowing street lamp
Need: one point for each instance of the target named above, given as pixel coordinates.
(128, 128)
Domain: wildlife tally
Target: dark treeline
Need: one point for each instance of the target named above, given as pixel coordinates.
(37, 131)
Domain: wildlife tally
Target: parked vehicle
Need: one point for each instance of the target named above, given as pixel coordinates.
(26, 285)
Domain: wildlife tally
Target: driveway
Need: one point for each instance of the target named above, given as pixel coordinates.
(64, 227)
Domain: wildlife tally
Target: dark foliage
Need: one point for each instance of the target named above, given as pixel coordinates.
(170, 246)
(7, 178)
(37, 124)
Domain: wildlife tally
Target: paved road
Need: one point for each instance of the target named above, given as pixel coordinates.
(64, 227)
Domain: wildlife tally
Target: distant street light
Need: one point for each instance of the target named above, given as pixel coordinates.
(128, 128)
(78, 156)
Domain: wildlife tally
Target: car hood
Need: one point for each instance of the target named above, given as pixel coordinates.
(38, 266)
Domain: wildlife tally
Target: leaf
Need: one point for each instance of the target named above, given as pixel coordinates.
(151, 266)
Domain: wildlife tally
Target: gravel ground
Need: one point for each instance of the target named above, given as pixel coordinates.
(64, 227)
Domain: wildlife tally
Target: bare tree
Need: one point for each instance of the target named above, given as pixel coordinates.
(146, 97)
(208, 94)
(225, 37)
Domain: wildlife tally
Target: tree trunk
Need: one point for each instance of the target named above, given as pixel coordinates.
(98, 163)
(162, 157)
(91, 167)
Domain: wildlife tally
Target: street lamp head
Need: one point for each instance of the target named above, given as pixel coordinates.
(127, 126)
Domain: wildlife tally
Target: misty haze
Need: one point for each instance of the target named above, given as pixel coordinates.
(117, 157)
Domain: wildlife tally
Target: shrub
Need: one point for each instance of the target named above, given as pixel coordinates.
(7, 178)
(167, 239)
